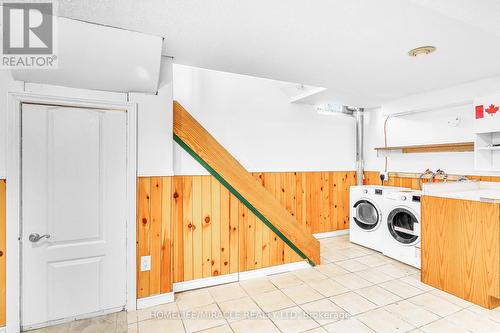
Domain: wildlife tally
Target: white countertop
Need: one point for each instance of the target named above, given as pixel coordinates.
(471, 190)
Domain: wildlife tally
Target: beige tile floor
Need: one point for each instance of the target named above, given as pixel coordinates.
(354, 290)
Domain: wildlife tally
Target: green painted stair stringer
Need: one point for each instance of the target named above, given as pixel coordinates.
(241, 198)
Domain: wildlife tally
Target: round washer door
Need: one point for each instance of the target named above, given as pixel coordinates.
(367, 215)
(403, 226)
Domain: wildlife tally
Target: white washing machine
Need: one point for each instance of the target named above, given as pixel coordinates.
(367, 215)
(402, 227)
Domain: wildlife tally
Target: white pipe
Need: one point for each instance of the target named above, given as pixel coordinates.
(358, 114)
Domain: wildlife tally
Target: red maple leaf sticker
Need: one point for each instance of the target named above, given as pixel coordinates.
(492, 109)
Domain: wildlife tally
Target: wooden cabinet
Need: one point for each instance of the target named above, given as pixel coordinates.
(461, 248)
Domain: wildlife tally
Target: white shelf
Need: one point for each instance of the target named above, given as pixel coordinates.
(485, 151)
(488, 148)
(454, 147)
(487, 132)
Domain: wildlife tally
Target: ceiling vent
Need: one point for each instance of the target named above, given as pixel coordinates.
(421, 51)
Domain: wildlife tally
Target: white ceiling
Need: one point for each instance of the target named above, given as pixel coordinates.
(357, 49)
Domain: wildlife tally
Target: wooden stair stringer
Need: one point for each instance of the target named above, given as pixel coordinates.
(204, 148)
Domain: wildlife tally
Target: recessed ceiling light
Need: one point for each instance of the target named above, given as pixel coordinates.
(423, 50)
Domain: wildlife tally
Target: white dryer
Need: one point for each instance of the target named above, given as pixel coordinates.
(402, 227)
(367, 216)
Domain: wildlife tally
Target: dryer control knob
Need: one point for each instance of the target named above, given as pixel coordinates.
(403, 198)
(365, 191)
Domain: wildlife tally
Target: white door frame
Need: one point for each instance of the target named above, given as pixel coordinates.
(13, 232)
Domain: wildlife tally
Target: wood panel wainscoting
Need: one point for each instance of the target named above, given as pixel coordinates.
(154, 235)
(193, 227)
(461, 248)
(410, 180)
(318, 200)
(2, 252)
(373, 178)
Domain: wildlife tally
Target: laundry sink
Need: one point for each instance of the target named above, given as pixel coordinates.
(470, 190)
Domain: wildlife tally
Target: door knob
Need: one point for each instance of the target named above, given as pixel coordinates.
(36, 237)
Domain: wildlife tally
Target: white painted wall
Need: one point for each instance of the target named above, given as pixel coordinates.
(155, 143)
(426, 128)
(255, 121)
(6, 84)
(154, 111)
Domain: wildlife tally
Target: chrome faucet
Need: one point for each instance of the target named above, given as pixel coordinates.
(439, 172)
(426, 172)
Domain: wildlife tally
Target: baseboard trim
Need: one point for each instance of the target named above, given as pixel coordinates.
(205, 282)
(331, 234)
(235, 277)
(262, 272)
(150, 301)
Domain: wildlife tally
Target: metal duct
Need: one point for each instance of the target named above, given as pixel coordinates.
(334, 109)
(358, 114)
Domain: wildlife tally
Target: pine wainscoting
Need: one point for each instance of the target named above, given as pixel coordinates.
(2, 251)
(194, 228)
(411, 180)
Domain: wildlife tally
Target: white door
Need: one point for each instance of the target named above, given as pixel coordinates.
(74, 191)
